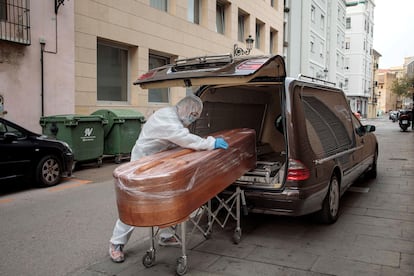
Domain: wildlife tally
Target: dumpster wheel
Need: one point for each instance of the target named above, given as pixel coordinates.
(118, 159)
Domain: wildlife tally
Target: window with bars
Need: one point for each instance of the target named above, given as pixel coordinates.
(15, 21)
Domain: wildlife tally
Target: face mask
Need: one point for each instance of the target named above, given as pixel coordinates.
(190, 119)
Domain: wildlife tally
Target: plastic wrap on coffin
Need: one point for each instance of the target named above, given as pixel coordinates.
(163, 189)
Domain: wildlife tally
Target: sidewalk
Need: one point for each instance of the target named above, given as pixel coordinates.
(373, 236)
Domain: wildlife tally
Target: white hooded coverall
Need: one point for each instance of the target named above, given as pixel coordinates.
(165, 129)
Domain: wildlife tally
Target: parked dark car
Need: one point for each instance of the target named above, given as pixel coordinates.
(33, 156)
(310, 146)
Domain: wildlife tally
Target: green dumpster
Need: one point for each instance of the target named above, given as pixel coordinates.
(84, 134)
(121, 131)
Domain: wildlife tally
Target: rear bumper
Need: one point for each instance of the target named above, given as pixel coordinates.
(289, 202)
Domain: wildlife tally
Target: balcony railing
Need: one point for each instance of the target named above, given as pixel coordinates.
(15, 21)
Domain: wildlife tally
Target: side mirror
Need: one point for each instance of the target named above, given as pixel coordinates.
(370, 128)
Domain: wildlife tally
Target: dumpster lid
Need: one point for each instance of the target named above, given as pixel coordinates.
(119, 113)
(118, 116)
(71, 118)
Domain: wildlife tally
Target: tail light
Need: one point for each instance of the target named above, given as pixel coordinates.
(297, 171)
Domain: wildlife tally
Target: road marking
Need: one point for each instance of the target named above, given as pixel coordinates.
(71, 184)
(359, 189)
(6, 200)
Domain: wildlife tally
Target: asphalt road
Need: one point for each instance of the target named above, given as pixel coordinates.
(66, 228)
(52, 231)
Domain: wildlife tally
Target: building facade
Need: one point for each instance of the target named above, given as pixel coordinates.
(409, 67)
(91, 51)
(387, 100)
(373, 98)
(408, 102)
(315, 39)
(116, 41)
(358, 50)
(37, 60)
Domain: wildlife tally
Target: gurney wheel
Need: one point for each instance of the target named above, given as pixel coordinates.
(237, 235)
(149, 259)
(181, 265)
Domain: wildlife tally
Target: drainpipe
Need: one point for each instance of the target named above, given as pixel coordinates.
(42, 41)
(42, 50)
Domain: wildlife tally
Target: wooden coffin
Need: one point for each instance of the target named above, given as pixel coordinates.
(165, 188)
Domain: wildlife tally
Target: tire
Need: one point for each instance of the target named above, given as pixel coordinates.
(330, 206)
(48, 171)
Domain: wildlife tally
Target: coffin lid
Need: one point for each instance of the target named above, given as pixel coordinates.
(214, 70)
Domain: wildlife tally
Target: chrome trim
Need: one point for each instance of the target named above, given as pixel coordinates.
(323, 160)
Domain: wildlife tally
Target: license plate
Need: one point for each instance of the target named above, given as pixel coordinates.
(404, 121)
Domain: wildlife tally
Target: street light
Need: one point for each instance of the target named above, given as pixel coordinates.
(249, 46)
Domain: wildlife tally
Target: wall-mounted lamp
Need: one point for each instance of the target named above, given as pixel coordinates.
(249, 46)
(57, 5)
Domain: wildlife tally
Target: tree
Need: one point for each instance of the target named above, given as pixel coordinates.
(403, 87)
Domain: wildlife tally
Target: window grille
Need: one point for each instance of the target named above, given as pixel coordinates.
(15, 21)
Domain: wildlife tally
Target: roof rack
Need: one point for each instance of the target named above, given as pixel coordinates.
(202, 62)
(316, 79)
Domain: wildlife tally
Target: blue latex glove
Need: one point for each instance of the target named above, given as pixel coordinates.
(221, 144)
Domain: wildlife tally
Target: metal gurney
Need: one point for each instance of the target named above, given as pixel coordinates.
(230, 206)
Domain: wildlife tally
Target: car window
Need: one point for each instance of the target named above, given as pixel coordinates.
(9, 129)
(357, 126)
(328, 118)
(2, 129)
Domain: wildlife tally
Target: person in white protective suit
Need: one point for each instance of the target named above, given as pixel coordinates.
(165, 129)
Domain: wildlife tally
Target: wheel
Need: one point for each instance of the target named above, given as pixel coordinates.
(237, 235)
(330, 206)
(149, 259)
(207, 235)
(99, 162)
(181, 266)
(372, 173)
(48, 171)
